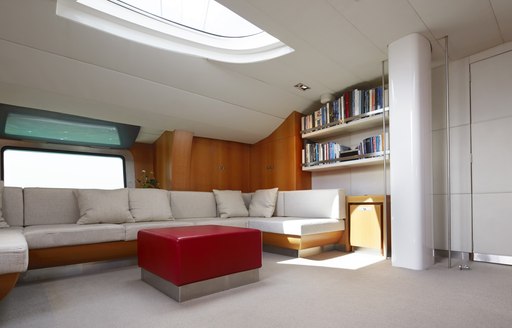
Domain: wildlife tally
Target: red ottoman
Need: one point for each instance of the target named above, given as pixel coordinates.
(189, 262)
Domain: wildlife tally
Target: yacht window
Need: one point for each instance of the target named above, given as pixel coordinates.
(59, 169)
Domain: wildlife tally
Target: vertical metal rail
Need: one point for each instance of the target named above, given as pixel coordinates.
(448, 161)
(384, 148)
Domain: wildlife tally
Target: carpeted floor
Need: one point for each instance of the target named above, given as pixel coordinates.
(289, 294)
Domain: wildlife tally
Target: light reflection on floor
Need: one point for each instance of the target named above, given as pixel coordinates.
(339, 260)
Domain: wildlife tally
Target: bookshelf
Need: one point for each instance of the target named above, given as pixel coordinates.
(344, 164)
(321, 153)
(364, 121)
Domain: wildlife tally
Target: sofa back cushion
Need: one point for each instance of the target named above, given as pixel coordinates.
(103, 206)
(263, 203)
(50, 206)
(193, 204)
(147, 204)
(319, 203)
(12, 206)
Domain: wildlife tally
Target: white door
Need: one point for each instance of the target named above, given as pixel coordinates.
(491, 142)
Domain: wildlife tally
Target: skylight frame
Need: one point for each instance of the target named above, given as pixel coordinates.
(125, 23)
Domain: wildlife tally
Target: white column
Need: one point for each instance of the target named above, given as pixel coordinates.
(411, 152)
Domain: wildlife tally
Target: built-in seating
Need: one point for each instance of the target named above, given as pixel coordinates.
(51, 227)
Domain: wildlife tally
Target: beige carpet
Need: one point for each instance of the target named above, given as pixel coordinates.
(289, 294)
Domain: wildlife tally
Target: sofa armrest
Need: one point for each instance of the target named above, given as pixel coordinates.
(318, 203)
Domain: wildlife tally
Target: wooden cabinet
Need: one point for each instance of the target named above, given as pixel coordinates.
(184, 162)
(218, 164)
(365, 221)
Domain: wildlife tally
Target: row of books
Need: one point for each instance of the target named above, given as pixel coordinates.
(370, 145)
(318, 152)
(333, 151)
(350, 104)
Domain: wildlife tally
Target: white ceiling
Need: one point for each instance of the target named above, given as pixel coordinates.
(48, 62)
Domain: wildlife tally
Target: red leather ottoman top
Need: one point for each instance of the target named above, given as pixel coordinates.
(185, 255)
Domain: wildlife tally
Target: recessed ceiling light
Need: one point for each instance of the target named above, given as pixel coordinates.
(302, 86)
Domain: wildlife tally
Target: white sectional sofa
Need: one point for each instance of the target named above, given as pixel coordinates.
(43, 229)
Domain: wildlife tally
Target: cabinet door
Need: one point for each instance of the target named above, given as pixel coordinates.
(365, 225)
(230, 167)
(201, 176)
(282, 164)
(261, 166)
(237, 166)
(218, 164)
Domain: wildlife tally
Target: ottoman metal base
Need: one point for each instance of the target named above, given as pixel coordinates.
(200, 288)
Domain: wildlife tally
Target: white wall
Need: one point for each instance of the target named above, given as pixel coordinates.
(491, 119)
(460, 151)
(460, 165)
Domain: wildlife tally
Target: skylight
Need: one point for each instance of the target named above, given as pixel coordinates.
(42, 128)
(39, 125)
(203, 15)
(202, 28)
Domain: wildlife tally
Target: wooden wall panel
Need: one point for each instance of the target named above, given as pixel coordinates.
(276, 161)
(172, 160)
(201, 158)
(143, 158)
(180, 159)
(218, 164)
(202, 164)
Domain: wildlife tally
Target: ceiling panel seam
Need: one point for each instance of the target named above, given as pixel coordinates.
(355, 27)
(497, 22)
(441, 45)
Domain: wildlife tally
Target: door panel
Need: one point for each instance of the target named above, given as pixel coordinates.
(491, 82)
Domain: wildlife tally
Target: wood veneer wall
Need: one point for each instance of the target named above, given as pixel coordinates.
(276, 161)
(143, 158)
(172, 160)
(219, 164)
(183, 162)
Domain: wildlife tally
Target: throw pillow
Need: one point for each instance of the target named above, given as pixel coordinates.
(3, 224)
(230, 203)
(263, 203)
(103, 206)
(150, 204)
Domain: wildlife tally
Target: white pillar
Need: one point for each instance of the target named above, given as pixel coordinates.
(410, 118)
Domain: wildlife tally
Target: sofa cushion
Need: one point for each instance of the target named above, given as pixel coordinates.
(103, 206)
(50, 206)
(230, 203)
(296, 226)
(54, 235)
(184, 204)
(131, 229)
(150, 204)
(263, 203)
(13, 250)
(3, 224)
